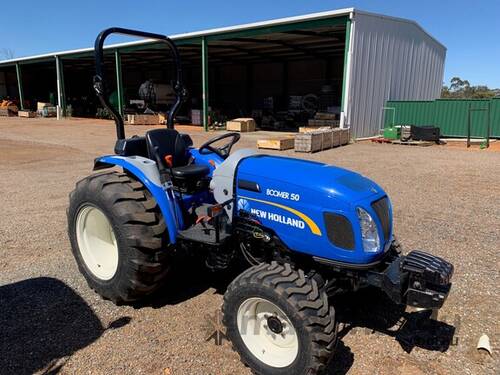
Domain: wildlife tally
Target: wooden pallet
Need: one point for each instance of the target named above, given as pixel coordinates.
(28, 114)
(279, 144)
(382, 140)
(413, 143)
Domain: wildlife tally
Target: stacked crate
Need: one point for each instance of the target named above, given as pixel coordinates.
(324, 119)
(345, 136)
(196, 118)
(321, 140)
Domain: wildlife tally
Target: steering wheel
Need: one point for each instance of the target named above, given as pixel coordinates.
(224, 150)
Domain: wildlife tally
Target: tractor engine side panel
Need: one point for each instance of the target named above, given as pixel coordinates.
(294, 207)
(291, 211)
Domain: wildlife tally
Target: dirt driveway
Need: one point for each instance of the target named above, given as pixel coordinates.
(446, 201)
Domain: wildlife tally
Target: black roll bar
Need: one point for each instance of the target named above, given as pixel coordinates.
(99, 79)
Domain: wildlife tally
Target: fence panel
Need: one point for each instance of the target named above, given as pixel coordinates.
(450, 115)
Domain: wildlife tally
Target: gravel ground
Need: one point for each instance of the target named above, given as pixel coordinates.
(446, 201)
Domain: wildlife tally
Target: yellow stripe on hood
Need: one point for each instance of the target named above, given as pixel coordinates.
(312, 225)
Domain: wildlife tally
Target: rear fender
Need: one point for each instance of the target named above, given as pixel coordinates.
(211, 160)
(145, 171)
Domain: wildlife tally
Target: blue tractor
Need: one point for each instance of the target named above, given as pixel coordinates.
(305, 230)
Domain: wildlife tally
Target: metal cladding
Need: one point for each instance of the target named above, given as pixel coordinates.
(390, 59)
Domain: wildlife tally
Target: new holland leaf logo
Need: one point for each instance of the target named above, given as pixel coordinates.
(243, 205)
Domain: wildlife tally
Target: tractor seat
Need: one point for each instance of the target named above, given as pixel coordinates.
(162, 143)
(190, 171)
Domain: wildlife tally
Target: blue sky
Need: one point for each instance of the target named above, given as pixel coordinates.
(469, 29)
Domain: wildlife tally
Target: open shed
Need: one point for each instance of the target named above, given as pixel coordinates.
(281, 72)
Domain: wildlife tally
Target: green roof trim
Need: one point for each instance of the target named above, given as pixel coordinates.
(334, 21)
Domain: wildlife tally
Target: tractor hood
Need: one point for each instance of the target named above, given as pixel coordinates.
(324, 179)
(305, 203)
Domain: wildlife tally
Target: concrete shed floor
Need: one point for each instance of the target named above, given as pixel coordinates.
(445, 200)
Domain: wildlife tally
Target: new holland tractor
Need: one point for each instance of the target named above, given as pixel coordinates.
(306, 231)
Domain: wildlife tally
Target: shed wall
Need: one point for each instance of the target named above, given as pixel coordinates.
(391, 60)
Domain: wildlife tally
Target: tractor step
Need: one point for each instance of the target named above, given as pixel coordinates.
(203, 233)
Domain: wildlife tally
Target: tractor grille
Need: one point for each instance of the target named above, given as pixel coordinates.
(381, 208)
(339, 230)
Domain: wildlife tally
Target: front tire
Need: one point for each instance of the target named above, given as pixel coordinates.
(279, 321)
(118, 236)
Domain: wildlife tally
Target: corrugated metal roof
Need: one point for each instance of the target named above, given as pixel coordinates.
(222, 30)
(195, 34)
(398, 19)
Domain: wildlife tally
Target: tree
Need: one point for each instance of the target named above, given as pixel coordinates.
(456, 84)
(6, 54)
(445, 92)
(461, 89)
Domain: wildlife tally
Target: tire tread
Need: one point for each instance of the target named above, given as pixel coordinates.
(310, 300)
(143, 231)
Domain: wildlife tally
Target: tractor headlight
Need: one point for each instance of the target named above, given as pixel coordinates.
(369, 233)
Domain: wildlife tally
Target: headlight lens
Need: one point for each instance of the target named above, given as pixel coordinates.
(369, 233)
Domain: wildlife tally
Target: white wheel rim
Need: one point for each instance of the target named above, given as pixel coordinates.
(97, 242)
(272, 348)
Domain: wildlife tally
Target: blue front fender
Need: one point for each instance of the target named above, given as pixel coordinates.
(145, 171)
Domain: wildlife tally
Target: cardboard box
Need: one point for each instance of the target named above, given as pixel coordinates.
(241, 125)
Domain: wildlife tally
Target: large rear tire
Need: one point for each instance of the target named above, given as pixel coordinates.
(279, 320)
(118, 236)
